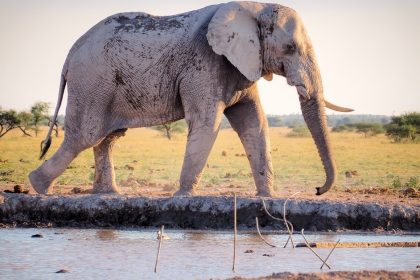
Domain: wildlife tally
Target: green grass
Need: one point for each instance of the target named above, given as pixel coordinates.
(378, 161)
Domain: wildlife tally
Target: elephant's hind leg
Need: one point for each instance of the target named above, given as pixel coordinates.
(43, 177)
(104, 167)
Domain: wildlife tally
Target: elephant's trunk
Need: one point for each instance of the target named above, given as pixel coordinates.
(313, 111)
(314, 115)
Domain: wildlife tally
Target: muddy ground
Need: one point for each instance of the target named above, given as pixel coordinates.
(380, 195)
(203, 212)
(343, 275)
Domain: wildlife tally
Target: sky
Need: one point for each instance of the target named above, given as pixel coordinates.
(368, 51)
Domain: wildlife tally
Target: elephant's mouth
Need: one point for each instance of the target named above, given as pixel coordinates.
(301, 89)
(303, 93)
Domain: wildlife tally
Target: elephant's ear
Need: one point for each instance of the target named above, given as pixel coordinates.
(233, 32)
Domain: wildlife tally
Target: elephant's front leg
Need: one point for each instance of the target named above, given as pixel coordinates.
(202, 132)
(104, 167)
(248, 120)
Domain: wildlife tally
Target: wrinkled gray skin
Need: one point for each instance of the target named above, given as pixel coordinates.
(137, 70)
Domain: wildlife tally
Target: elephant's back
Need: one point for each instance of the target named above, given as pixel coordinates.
(132, 63)
(135, 40)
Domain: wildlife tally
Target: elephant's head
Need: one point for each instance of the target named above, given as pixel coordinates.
(265, 39)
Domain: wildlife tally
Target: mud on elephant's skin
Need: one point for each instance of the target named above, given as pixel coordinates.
(137, 70)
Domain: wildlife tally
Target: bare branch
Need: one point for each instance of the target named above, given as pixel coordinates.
(289, 225)
(259, 233)
(285, 221)
(332, 250)
(160, 236)
(234, 232)
(313, 251)
(24, 131)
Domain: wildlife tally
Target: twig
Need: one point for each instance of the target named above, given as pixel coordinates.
(234, 232)
(259, 233)
(309, 246)
(287, 242)
(326, 259)
(289, 229)
(160, 243)
(285, 221)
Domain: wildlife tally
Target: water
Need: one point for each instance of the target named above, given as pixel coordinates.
(130, 254)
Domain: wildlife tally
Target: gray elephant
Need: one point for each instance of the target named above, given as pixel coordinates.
(138, 70)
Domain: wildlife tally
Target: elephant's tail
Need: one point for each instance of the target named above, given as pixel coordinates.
(46, 143)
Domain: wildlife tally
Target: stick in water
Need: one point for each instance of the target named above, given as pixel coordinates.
(326, 259)
(160, 235)
(234, 232)
(259, 233)
(309, 246)
(290, 231)
(289, 228)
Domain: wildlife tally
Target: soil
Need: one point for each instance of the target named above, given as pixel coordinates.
(343, 275)
(383, 196)
(203, 212)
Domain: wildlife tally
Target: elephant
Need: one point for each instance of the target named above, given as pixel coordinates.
(138, 70)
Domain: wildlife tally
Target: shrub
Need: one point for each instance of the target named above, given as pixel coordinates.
(342, 128)
(367, 129)
(299, 131)
(405, 127)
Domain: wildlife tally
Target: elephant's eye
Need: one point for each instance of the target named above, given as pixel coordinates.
(289, 48)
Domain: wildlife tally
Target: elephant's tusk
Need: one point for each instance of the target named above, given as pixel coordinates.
(337, 108)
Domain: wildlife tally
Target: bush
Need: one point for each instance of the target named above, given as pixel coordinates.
(367, 129)
(342, 128)
(299, 131)
(404, 128)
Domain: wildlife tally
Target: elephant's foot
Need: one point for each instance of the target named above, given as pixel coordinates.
(40, 182)
(264, 193)
(105, 188)
(185, 192)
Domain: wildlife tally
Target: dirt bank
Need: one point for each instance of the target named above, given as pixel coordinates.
(344, 275)
(360, 244)
(201, 212)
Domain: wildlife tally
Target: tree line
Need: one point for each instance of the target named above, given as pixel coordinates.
(399, 128)
(405, 127)
(26, 121)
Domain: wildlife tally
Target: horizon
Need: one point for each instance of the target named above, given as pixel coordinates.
(362, 66)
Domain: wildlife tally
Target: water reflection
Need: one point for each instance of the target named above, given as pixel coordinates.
(195, 236)
(106, 234)
(130, 254)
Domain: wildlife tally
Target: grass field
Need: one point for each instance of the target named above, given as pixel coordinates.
(145, 159)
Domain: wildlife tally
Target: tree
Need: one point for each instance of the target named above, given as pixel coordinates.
(404, 127)
(25, 122)
(39, 113)
(369, 129)
(172, 127)
(8, 120)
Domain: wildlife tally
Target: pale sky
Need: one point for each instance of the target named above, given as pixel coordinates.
(368, 51)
